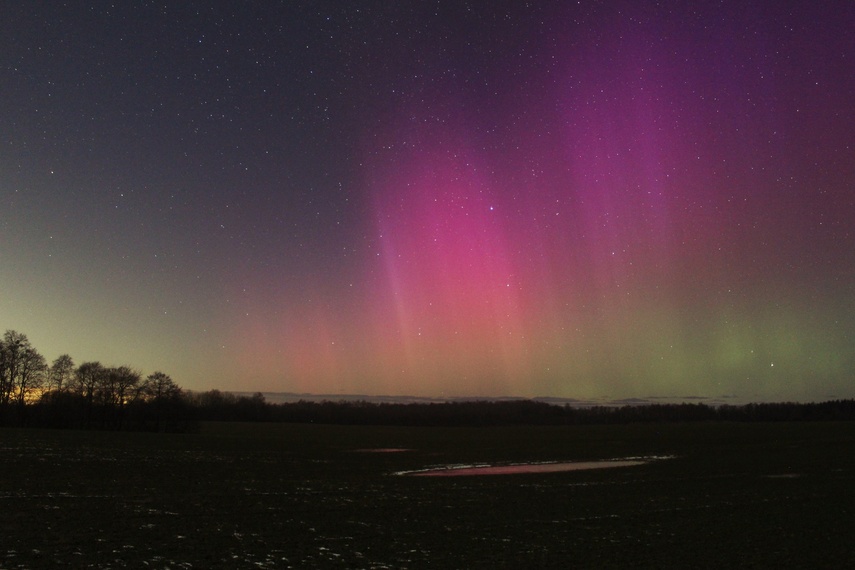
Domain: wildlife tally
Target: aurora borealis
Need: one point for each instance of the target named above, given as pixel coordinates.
(581, 200)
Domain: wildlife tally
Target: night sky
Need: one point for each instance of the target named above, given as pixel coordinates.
(446, 198)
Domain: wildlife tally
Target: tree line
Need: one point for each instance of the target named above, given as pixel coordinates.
(219, 406)
(89, 395)
(94, 396)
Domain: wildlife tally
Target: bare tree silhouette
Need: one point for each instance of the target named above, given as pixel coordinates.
(61, 373)
(22, 372)
(161, 392)
(87, 379)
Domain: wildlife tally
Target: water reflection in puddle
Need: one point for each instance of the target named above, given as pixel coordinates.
(470, 470)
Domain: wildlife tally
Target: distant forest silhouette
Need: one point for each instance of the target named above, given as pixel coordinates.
(90, 395)
(94, 396)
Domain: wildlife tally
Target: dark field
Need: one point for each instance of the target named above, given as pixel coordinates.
(302, 496)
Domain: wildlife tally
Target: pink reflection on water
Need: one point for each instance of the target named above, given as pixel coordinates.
(463, 471)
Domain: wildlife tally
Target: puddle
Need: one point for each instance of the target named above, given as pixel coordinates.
(555, 467)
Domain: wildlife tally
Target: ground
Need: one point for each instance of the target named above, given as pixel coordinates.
(304, 496)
